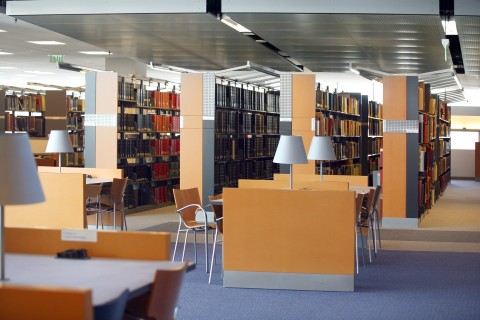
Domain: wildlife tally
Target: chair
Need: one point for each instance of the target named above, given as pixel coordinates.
(218, 217)
(93, 205)
(188, 204)
(113, 309)
(358, 214)
(375, 209)
(117, 193)
(161, 302)
(366, 221)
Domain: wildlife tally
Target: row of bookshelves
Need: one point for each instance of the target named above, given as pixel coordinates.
(148, 194)
(151, 172)
(348, 168)
(75, 159)
(75, 104)
(33, 125)
(136, 91)
(77, 138)
(244, 148)
(375, 110)
(375, 146)
(148, 147)
(245, 97)
(75, 121)
(375, 127)
(346, 149)
(149, 122)
(427, 128)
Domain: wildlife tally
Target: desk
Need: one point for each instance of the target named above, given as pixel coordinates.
(106, 277)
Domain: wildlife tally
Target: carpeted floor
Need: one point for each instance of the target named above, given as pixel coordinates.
(397, 285)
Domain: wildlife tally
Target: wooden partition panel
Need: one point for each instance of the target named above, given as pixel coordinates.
(289, 233)
(285, 184)
(94, 172)
(19, 302)
(109, 244)
(361, 181)
(64, 205)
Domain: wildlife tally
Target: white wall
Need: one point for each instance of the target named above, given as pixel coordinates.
(463, 164)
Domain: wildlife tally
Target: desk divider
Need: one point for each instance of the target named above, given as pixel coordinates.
(109, 244)
(19, 302)
(285, 184)
(94, 172)
(352, 180)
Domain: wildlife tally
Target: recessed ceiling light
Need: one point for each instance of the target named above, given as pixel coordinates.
(39, 72)
(8, 68)
(48, 43)
(4, 53)
(96, 52)
(3, 30)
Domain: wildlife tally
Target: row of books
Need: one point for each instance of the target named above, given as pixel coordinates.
(425, 192)
(444, 111)
(444, 130)
(375, 109)
(346, 150)
(331, 126)
(232, 148)
(353, 169)
(77, 139)
(156, 99)
(443, 147)
(444, 165)
(149, 122)
(75, 159)
(165, 170)
(228, 173)
(34, 102)
(337, 102)
(35, 126)
(244, 97)
(374, 146)
(426, 128)
(426, 103)
(426, 157)
(151, 172)
(258, 123)
(375, 127)
(133, 148)
(75, 122)
(161, 195)
(75, 104)
(374, 164)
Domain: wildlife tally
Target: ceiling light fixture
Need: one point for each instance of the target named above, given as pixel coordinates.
(233, 24)
(8, 68)
(353, 70)
(98, 53)
(76, 68)
(47, 43)
(450, 27)
(3, 30)
(167, 68)
(3, 53)
(39, 72)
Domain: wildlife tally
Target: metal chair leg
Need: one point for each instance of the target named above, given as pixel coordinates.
(176, 243)
(206, 249)
(213, 256)
(185, 246)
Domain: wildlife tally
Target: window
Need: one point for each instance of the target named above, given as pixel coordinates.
(464, 140)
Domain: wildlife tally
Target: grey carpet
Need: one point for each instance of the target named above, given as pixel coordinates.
(397, 285)
(163, 227)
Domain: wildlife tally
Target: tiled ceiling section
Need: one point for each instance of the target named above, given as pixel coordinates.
(468, 28)
(395, 44)
(191, 41)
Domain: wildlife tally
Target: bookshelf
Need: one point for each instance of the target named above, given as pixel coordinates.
(148, 145)
(24, 113)
(75, 110)
(444, 149)
(247, 120)
(374, 145)
(338, 115)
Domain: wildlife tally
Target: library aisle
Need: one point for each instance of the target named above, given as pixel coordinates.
(453, 224)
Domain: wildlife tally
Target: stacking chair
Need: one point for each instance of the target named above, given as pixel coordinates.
(358, 214)
(117, 193)
(161, 302)
(366, 221)
(218, 217)
(93, 205)
(188, 204)
(112, 310)
(376, 218)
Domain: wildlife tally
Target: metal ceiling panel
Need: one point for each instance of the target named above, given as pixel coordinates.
(203, 43)
(395, 44)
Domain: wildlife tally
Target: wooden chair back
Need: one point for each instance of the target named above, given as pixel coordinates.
(370, 201)
(184, 197)
(358, 206)
(165, 291)
(217, 211)
(21, 302)
(118, 190)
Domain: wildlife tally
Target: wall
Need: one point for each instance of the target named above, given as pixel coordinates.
(463, 164)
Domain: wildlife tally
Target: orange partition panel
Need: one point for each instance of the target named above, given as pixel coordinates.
(292, 231)
(394, 176)
(285, 184)
(19, 302)
(352, 180)
(109, 244)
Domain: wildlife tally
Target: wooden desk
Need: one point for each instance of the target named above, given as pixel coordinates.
(98, 180)
(106, 277)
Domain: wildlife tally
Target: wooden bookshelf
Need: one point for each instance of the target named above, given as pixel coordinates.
(374, 142)
(75, 110)
(24, 113)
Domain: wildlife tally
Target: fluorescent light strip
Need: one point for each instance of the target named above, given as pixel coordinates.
(39, 72)
(95, 52)
(233, 24)
(450, 27)
(3, 53)
(47, 43)
(3, 30)
(7, 68)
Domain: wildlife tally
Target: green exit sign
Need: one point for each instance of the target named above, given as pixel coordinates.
(56, 58)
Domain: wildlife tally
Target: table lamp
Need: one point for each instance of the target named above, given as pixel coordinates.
(290, 150)
(321, 149)
(19, 182)
(59, 141)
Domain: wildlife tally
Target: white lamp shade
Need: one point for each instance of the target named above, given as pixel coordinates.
(59, 141)
(290, 150)
(19, 182)
(321, 148)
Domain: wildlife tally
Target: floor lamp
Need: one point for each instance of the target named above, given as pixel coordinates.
(321, 149)
(59, 141)
(19, 181)
(290, 150)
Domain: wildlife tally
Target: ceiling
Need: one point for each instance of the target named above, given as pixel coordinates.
(375, 44)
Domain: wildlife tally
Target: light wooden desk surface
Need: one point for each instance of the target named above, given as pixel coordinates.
(98, 180)
(106, 277)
